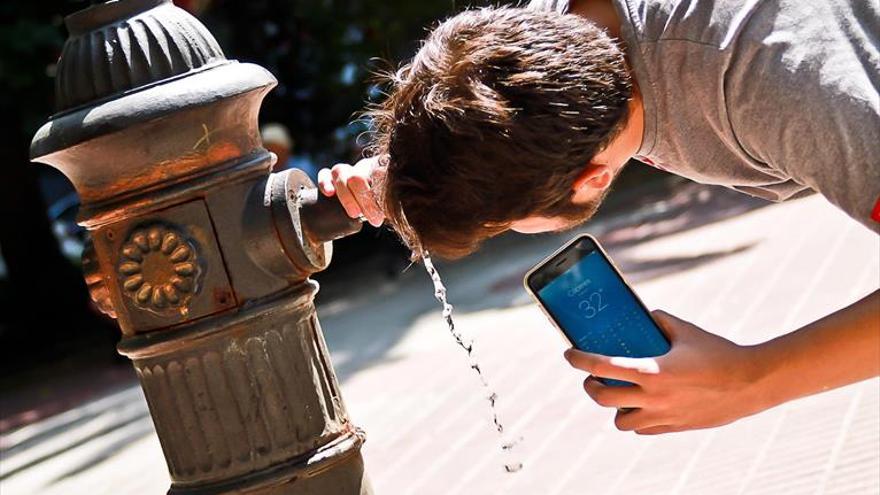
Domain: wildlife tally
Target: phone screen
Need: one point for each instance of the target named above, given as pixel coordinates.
(593, 306)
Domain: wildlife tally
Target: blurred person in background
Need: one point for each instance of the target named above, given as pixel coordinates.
(276, 139)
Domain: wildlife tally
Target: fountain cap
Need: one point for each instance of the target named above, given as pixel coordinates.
(124, 45)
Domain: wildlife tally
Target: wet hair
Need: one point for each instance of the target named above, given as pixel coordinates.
(492, 121)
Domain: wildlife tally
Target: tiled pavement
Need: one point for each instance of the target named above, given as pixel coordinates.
(731, 265)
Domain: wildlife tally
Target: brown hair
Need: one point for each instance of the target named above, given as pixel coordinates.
(492, 121)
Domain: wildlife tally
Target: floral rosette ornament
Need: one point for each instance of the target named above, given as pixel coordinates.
(159, 269)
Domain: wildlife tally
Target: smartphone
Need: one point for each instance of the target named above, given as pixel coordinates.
(585, 296)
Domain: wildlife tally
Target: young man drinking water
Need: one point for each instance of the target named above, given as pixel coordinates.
(520, 119)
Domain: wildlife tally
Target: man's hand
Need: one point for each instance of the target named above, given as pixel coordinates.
(354, 186)
(703, 381)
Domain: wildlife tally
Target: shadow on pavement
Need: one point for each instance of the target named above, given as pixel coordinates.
(79, 438)
(367, 313)
(634, 217)
(115, 440)
(375, 313)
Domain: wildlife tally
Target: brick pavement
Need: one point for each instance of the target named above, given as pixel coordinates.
(749, 277)
(782, 273)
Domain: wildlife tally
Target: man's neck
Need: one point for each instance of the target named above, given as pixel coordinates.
(629, 139)
(601, 12)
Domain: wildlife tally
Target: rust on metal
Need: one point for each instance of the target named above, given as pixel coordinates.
(159, 269)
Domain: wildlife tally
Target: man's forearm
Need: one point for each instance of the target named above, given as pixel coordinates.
(837, 350)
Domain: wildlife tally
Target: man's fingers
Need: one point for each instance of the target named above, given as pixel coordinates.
(341, 175)
(366, 166)
(636, 420)
(377, 172)
(352, 185)
(645, 366)
(673, 327)
(619, 397)
(631, 370)
(360, 189)
(657, 430)
(325, 182)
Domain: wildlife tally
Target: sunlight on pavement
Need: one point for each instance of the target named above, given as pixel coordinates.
(750, 276)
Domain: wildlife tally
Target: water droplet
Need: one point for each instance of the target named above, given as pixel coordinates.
(468, 346)
(513, 467)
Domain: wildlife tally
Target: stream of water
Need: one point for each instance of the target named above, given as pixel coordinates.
(507, 445)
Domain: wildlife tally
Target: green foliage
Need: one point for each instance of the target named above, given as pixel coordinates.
(31, 37)
(323, 53)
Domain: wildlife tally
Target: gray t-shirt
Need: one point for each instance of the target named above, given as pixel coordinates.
(772, 98)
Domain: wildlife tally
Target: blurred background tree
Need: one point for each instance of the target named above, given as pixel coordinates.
(44, 306)
(321, 51)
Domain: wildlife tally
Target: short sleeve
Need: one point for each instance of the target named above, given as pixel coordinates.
(804, 101)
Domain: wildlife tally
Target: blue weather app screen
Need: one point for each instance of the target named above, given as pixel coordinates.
(599, 313)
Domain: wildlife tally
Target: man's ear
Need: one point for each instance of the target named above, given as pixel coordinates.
(593, 176)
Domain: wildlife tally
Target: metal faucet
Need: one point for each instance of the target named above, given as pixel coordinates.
(200, 254)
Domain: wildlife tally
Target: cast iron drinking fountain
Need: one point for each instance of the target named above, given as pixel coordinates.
(201, 255)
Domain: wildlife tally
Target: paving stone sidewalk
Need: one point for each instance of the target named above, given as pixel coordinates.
(732, 265)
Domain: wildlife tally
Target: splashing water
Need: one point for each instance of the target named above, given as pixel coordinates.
(467, 344)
